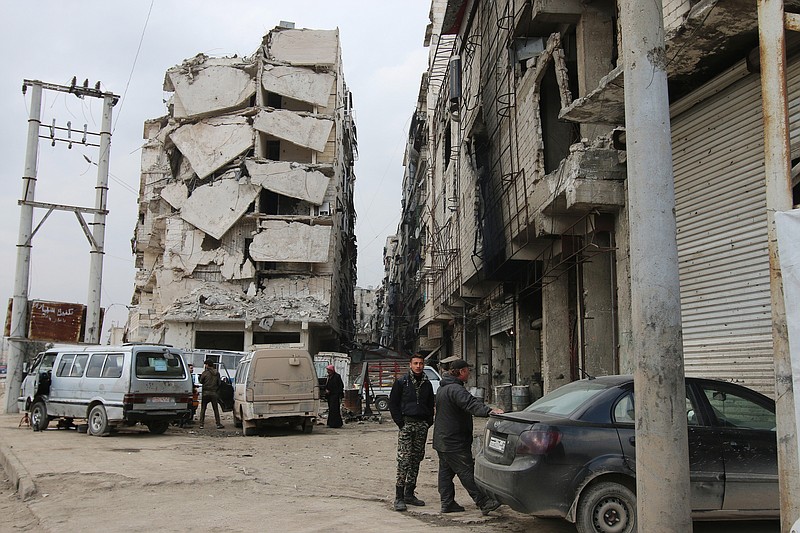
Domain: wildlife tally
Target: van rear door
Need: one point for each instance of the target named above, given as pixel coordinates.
(282, 380)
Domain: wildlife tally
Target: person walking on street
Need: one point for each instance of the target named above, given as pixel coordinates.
(334, 391)
(411, 406)
(210, 381)
(452, 439)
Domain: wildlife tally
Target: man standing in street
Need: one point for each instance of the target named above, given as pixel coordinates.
(452, 439)
(210, 381)
(334, 391)
(411, 406)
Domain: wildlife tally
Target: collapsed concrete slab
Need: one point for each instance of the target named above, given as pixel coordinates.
(214, 142)
(304, 47)
(303, 130)
(291, 242)
(216, 207)
(206, 86)
(289, 179)
(299, 83)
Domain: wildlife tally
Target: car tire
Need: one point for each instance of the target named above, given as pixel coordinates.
(237, 421)
(98, 422)
(249, 431)
(38, 416)
(607, 507)
(308, 425)
(382, 403)
(157, 428)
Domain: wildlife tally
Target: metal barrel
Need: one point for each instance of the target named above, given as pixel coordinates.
(520, 397)
(502, 396)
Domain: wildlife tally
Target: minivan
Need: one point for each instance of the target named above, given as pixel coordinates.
(108, 386)
(275, 386)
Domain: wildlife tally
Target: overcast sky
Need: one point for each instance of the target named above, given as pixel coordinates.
(128, 46)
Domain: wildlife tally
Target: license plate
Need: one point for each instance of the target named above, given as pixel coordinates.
(159, 399)
(497, 444)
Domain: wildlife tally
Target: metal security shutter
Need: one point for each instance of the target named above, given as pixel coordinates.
(718, 158)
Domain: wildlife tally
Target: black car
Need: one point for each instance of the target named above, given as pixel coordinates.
(571, 454)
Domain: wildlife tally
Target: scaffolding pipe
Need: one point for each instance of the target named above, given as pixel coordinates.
(777, 169)
(662, 455)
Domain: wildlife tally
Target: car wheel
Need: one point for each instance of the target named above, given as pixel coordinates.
(607, 507)
(237, 420)
(249, 431)
(157, 428)
(308, 425)
(98, 421)
(39, 420)
(382, 403)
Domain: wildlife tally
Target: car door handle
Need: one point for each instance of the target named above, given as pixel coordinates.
(632, 440)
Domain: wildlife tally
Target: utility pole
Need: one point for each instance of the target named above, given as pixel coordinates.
(96, 235)
(662, 455)
(777, 169)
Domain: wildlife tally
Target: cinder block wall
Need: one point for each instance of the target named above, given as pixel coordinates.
(675, 12)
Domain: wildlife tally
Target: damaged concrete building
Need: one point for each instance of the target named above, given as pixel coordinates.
(512, 249)
(246, 220)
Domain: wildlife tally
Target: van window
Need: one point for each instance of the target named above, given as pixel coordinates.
(95, 365)
(159, 365)
(79, 365)
(113, 368)
(65, 364)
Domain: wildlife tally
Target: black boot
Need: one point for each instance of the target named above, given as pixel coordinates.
(409, 497)
(399, 502)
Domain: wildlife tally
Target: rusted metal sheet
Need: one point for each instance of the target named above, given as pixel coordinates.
(56, 321)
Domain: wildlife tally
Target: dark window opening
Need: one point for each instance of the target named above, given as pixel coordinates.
(219, 340)
(273, 150)
(557, 135)
(447, 146)
(795, 183)
(209, 243)
(274, 337)
(274, 100)
(277, 204)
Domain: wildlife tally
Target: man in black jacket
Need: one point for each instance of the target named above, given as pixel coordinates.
(452, 439)
(411, 406)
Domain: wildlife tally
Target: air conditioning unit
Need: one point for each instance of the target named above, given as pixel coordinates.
(325, 209)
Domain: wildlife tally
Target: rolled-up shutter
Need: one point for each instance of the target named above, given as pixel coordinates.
(718, 155)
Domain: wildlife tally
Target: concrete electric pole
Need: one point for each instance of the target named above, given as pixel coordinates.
(95, 235)
(662, 456)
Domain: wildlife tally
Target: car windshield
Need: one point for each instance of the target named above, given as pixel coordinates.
(566, 399)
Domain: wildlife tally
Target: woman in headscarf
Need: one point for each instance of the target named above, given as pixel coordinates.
(334, 391)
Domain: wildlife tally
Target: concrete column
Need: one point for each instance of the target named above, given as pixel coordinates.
(662, 455)
(599, 350)
(625, 350)
(555, 330)
(595, 45)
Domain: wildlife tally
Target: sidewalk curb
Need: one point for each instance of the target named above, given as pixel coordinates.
(20, 478)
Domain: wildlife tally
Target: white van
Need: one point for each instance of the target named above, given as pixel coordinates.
(108, 386)
(275, 386)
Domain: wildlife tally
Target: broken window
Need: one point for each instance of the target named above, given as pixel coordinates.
(275, 337)
(277, 204)
(219, 340)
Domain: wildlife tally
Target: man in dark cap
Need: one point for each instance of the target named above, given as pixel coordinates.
(210, 381)
(452, 439)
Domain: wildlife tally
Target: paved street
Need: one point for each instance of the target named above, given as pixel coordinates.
(202, 480)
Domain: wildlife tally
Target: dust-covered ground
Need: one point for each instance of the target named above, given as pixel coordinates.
(204, 480)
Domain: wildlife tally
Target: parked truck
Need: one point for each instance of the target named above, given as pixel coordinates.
(381, 375)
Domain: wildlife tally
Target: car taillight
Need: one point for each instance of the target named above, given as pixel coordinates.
(537, 441)
(248, 395)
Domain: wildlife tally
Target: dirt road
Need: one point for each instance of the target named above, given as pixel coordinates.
(339, 480)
